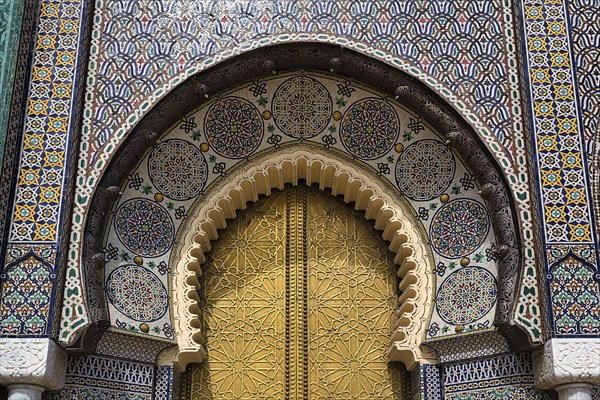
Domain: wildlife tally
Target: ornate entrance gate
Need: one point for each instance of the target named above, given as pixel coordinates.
(300, 292)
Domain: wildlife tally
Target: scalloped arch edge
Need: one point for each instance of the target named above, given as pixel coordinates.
(391, 216)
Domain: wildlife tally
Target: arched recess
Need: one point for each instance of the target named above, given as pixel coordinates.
(391, 215)
(343, 63)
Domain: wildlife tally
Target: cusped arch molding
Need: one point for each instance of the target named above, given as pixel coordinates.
(346, 64)
(390, 213)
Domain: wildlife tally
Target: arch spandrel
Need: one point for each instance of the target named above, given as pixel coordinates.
(345, 150)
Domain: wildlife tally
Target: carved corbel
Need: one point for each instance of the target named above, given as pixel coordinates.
(570, 361)
(35, 362)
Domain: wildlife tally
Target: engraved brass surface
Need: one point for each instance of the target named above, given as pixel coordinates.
(299, 301)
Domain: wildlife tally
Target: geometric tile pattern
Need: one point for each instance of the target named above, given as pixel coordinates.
(182, 174)
(503, 377)
(564, 191)
(466, 295)
(15, 17)
(511, 368)
(575, 298)
(478, 73)
(585, 40)
(469, 347)
(436, 175)
(559, 141)
(167, 383)
(143, 349)
(144, 227)
(459, 227)
(162, 386)
(92, 377)
(144, 221)
(507, 392)
(11, 15)
(27, 286)
(42, 169)
(431, 381)
(463, 49)
(137, 293)
(40, 185)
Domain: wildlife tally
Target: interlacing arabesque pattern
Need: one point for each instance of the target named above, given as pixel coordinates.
(460, 43)
(473, 73)
(563, 183)
(236, 127)
(314, 285)
(585, 41)
(41, 178)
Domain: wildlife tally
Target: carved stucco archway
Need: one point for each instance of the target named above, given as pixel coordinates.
(344, 63)
(391, 215)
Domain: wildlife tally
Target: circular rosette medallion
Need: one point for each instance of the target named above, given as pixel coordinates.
(234, 127)
(425, 169)
(144, 227)
(466, 295)
(369, 128)
(302, 107)
(137, 293)
(178, 169)
(459, 227)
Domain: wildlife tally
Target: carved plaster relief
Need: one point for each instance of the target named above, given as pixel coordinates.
(564, 361)
(34, 361)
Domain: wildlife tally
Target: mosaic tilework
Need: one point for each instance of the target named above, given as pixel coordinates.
(18, 17)
(245, 123)
(137, 292)
(564, 190)
(11, 15)
(115, 344)
(42, 177)
(27, 292)
(209, 27)
(167, 384)
(585, 41)
(502, 377)
(70, 392)
(466, 295)
(477, 74)
(575, 297)
(163, 382)
(514, 392)
(469, 347)
(431, 382)
(90, 377)
(528, 301)
(38, 197)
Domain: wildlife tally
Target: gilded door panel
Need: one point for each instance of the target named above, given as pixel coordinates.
(243, 313)
(352, 293)
(300, 293)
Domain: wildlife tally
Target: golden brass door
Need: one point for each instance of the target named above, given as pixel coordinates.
(299, 293)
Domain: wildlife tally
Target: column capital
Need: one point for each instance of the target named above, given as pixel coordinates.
(567, 360)
(32, 361)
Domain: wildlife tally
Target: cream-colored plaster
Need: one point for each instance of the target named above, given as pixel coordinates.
(391, 215)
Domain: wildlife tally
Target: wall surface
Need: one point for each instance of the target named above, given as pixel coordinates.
(525, 75)
(464, 50)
